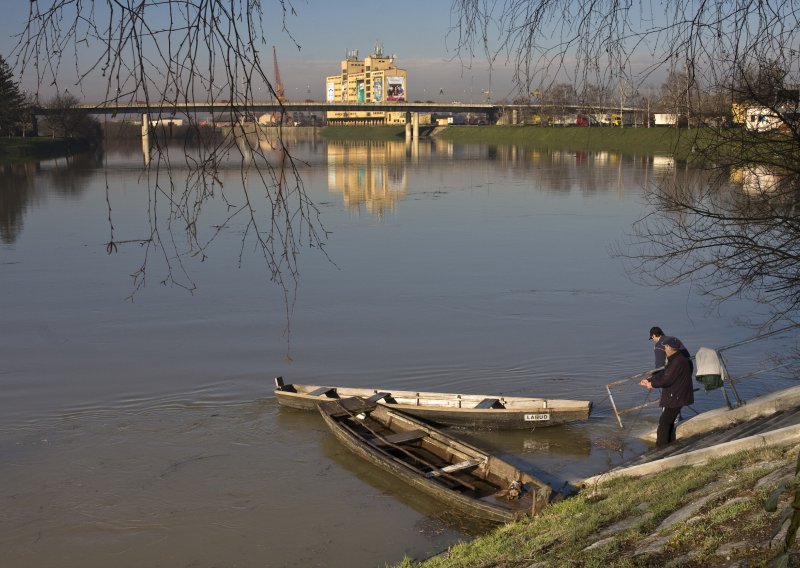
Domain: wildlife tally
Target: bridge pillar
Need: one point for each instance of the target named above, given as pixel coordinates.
(408, 126)
(415, 121)
(146, 139)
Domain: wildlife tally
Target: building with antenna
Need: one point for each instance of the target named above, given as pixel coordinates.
(376, 79)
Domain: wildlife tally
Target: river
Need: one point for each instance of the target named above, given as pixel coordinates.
(138, 425)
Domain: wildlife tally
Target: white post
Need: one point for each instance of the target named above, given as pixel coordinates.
(146, 139)
(415, 120)
(408, 126)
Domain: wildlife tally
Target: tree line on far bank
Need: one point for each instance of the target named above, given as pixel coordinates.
(18, 113)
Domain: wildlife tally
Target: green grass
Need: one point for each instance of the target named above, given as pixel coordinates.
(39, 148)
(560, 535)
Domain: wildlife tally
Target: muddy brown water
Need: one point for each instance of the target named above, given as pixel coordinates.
(144, 433)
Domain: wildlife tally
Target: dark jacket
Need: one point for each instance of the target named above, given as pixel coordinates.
(661, 355)
(675, 382)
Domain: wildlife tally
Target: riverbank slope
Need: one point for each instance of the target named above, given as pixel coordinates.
(709, 515)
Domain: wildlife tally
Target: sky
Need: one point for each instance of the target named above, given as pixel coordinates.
(415, 31)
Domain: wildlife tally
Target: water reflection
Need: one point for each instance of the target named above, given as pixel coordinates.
(495, 277)
(567, 440)
(27, 184)
(757, 179)
(372, 174)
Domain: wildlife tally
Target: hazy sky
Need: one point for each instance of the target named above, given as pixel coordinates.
(415, 30)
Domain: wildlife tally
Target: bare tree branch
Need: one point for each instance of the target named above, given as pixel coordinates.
(164, 52)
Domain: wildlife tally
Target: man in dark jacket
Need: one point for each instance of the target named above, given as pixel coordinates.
(675, 383)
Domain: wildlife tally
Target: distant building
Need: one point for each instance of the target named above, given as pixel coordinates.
(781, 115)
(665, 119)
(373, 80)
(166, 122)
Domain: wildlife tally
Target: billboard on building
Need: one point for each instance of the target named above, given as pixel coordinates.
(360, 92)
(395, 88)
(330, 92)
(377, 89)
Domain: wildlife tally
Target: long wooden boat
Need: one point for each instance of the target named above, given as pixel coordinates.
(466, 410)
(449, 470)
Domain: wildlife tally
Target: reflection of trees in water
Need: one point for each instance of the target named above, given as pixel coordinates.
(739, 239)
(68, 177)
(23, 184)
(563, 172)
(17, 190)
(255, 178)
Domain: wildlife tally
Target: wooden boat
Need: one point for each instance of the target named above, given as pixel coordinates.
(466, 410)
(452, 471)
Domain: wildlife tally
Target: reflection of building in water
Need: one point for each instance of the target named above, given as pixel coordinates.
(663, 163)
(369, 173)
(756, 179)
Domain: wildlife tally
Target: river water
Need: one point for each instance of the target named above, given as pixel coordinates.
(143, 432)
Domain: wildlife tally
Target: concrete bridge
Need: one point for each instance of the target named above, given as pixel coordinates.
(166, 109)
(411, 109)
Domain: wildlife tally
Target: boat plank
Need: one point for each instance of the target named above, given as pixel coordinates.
(403, 437)
(454, 467)
(378, 396)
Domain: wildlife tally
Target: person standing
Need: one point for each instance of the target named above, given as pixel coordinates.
(675, 383)
(657, 336)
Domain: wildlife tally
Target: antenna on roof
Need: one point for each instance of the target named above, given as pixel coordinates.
(378, 48)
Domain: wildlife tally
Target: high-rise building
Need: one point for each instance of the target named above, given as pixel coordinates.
(373, 80)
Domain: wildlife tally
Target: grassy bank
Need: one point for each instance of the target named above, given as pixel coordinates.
(25, 149)
(650, 141)
(699, 516)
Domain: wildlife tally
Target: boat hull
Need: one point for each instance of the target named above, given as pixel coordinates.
(509, 413)
(491, 479)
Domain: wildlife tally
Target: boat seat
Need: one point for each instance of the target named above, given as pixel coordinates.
(402, 438)
(330, 392)
(378, 395)
(490, 403)
(454, 467)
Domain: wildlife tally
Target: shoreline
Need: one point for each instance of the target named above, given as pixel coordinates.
(701, 508)
(40, 148)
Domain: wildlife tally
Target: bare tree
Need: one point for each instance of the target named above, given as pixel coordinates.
(65, 119)
(731, 240)
(737, 238)
(164, 52)
(548, 40)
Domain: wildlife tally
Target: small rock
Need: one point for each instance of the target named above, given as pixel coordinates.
(730, 547)
(776, 477)
(651, 545)
(599, 543)
(622, 525)
(685, 512)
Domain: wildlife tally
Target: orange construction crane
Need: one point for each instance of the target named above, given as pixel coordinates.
(278, 86)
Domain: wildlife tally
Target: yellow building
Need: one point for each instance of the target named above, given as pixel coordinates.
(373, 80)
